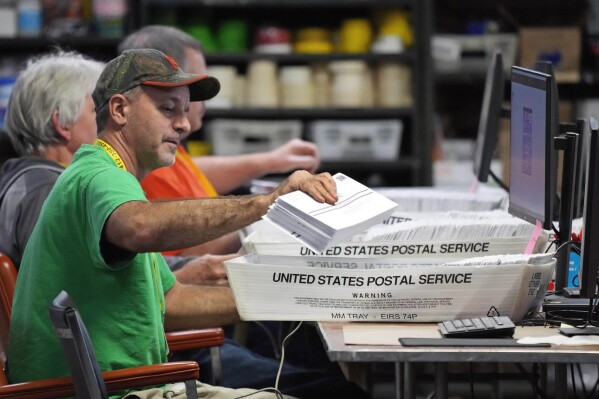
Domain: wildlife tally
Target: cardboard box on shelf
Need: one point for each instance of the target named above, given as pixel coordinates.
(560, 45)
(472, 53)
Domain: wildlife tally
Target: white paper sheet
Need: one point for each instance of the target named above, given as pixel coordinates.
(320, 225)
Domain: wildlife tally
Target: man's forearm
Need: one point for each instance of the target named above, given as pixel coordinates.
(138, 226)
(167, 225)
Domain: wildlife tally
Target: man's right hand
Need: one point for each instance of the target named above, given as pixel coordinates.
(321, 187)
(296, 154)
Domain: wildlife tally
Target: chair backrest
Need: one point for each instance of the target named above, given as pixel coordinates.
(77, 347)
(8, 280)
(7, 150)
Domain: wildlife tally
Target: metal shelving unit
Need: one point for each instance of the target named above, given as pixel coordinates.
(414, 165)
(314, 113)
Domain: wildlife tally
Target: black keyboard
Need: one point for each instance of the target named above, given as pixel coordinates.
(478, 327)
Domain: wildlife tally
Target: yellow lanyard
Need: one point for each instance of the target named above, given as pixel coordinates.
(119, 162)
(111, 153)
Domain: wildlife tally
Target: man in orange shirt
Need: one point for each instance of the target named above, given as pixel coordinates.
(213, 175)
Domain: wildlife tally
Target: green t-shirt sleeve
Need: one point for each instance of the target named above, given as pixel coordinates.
(105, 192)
(166, 275)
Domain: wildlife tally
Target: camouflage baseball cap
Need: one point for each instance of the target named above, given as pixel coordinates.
(153, 68)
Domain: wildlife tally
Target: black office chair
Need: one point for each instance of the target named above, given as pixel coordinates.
(76, 344)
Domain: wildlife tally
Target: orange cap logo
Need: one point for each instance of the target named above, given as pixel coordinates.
(172, 62)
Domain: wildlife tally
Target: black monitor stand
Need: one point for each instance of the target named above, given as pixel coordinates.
(576, 307)
(581, 175)
(577, 186)
(567, 143)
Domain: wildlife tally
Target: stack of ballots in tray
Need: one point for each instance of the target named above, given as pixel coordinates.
(436, 236)
(320, 225)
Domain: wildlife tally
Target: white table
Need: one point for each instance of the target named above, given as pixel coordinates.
(389, 350)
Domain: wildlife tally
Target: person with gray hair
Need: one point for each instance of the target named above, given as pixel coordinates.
(50, 114)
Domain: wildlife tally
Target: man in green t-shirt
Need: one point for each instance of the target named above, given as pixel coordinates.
(97, 234)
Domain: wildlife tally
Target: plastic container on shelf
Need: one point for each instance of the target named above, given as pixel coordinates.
(396, 22)
(240, 98)
(262, 84)
(201, 31)
(227, 76)
(322, 85)
(369, 89)
(312, 34)
(349, 83)
(355, 36)
(109, 17)
(314, 47)
(8, 19)
(313, 41)
(30, 18)
(6, 84)
(232, 36)
(272, 39)
(394, 85)
(297, 89)
(387, 44)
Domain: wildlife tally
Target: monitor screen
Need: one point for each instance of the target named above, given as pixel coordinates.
(532, 174)
(589, 256)
(490, 114)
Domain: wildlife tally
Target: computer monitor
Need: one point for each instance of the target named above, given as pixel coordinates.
(532, 163)
(589, 256)
(490, 114)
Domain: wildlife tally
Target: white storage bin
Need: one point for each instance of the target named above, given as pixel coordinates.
(357, 140)
(235, 136)
(450, 51)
